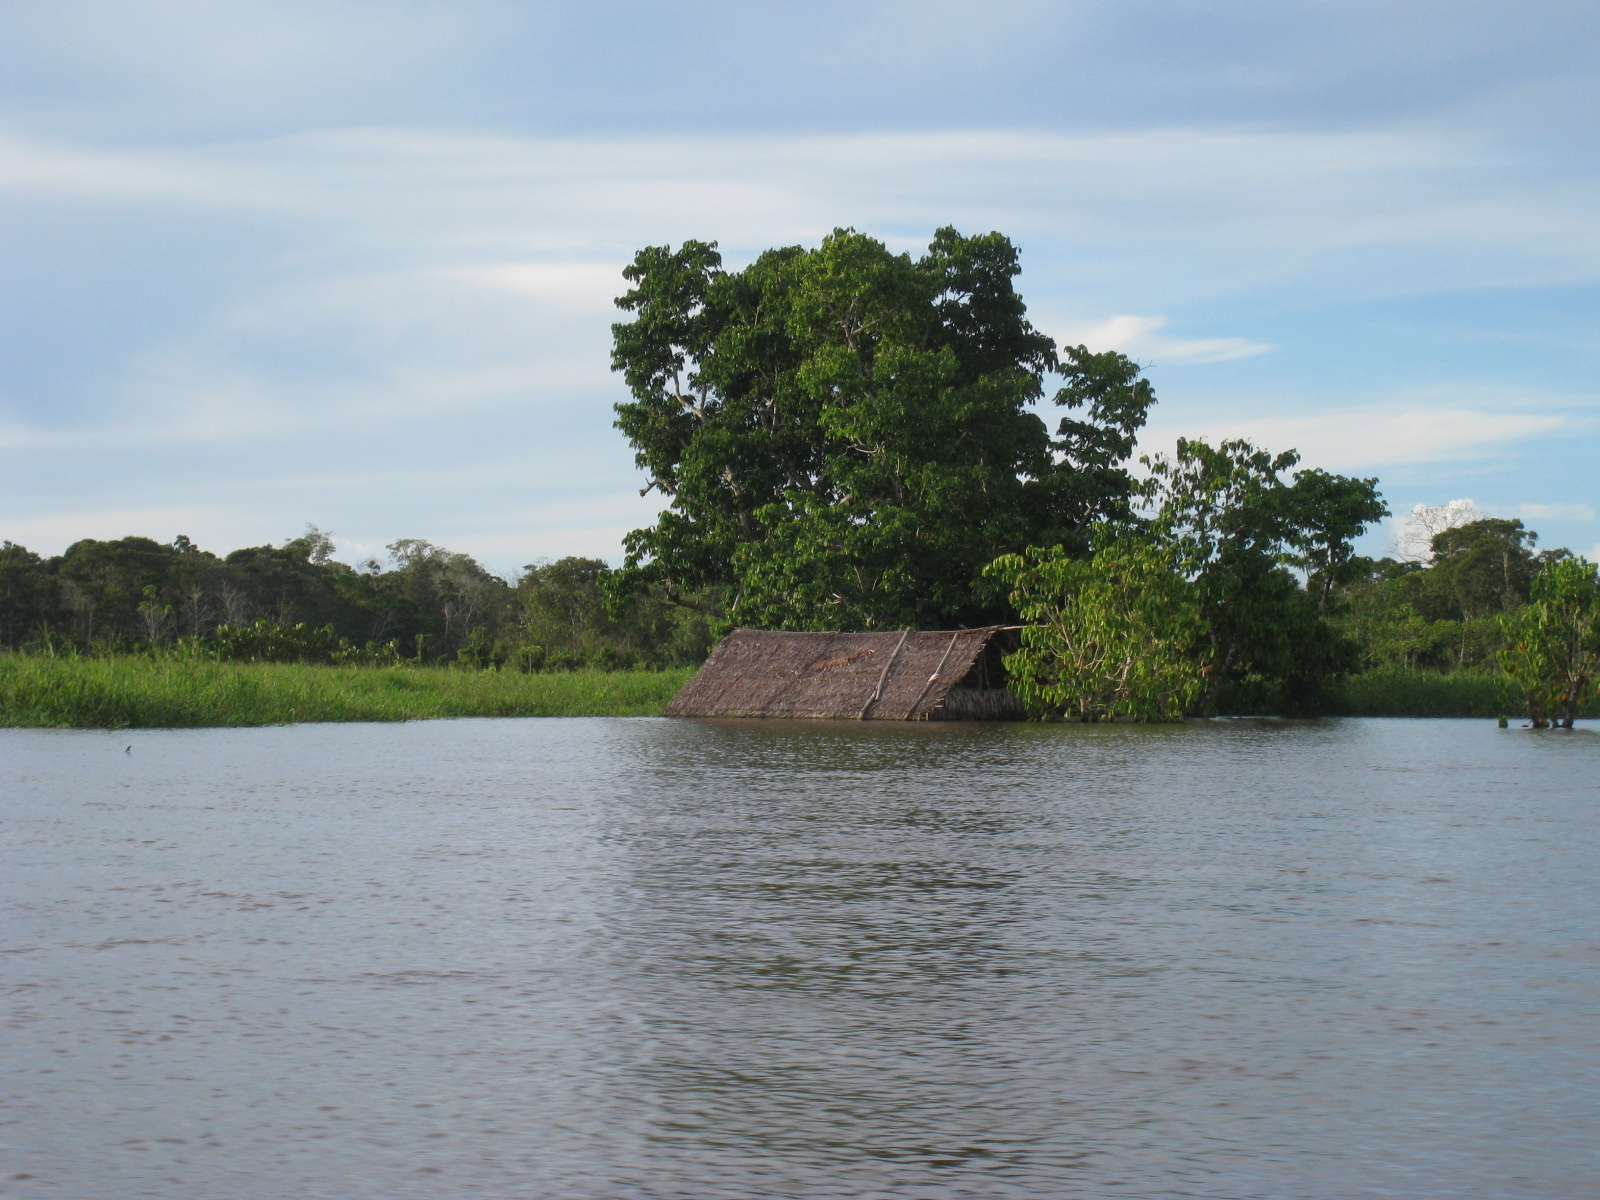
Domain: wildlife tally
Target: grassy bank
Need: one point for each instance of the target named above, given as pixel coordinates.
(140, 692)
(1399, 693)
(135, 691)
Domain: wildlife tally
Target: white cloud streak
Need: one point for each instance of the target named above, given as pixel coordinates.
(1370, 437)
(1554, 512)
(1140, 339)
(1373, 213)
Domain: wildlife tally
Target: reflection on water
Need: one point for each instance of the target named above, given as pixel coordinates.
(711, 959)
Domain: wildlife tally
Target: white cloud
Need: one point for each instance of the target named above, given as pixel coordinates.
(210, 525)
(1138, 338)
(1359, 438)
(389, 348)
(1189, 210)
(573, 286)
(1554, 512)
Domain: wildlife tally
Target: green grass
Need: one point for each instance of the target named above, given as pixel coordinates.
(137, 691)
(1400, 693)
(134, 691)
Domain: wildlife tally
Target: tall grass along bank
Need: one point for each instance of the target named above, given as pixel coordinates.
(128, 692)
(1403, 693)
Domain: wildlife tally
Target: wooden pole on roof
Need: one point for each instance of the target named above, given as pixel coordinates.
(935, 674)
(877, 692)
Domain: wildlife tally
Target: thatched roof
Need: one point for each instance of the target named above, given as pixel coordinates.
(875, 676)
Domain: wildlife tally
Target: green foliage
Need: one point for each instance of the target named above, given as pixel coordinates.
(1237, 527)
(174, 690)
(1443, 615)
(102, 585)
(1387, 612)
(844, 433)
(457, 593)
(28, 594)
(567, 618)
(1553, 642)
(1486, 613)
(268, 641)
(1483, 568)
(295, 603)
(1111, 636)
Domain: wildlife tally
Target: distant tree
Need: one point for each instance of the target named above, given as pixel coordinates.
(1387, 609)
(1325, 515)
(29, 597)
(1428, 521)
(196, 588)
(451, 592)
(283, 584)
(156, 617)
(562, 619)
(104, 583)
(568, 618)
(1553, 642)
(318, 546)
(1485, 567)
(289, 599)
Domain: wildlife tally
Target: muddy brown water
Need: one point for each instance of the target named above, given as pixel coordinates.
(652, 958)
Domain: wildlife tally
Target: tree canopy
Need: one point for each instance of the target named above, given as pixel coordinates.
(295, 602)
(1443, 611)
(845, 434)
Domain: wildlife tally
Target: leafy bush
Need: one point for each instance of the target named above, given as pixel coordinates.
(1106, 637)
(268, 641)
(1553, 642)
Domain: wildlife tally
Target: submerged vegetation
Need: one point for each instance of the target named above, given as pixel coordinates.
(183, 691)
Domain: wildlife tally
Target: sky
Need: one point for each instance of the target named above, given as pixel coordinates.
(352, 262)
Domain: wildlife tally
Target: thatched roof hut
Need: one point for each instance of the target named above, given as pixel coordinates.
(947, 675)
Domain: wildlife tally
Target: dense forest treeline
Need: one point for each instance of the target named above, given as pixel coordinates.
(1443, 613)
(295, 603)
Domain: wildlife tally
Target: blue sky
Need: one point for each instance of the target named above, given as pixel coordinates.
(351, 263)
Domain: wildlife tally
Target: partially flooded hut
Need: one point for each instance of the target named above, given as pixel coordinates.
(946, 675)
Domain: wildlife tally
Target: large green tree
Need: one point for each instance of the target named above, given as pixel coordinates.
(844, 435)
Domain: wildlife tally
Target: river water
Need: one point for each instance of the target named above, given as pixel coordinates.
(651, 958)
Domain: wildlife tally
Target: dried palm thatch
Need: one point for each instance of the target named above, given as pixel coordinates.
(953, 675)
